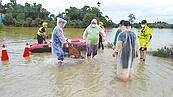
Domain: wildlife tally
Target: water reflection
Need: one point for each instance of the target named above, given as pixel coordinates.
(141, 76)
(27, 60)
(5, 65)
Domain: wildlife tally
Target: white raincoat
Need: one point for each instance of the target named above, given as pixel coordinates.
(58, 39)
(127, 50)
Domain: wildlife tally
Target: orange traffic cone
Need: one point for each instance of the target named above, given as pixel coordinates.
(4, 56)
(26, 51)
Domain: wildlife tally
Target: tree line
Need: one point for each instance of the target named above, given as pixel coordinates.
(33, 15)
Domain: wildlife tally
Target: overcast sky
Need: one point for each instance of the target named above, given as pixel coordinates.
(151, 10)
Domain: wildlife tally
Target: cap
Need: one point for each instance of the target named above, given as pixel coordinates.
(101, 23)
(127, 23)
(144, 22)
(44, 24)
(122, 22)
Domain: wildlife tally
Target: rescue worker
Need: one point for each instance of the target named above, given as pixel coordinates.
(126, 50)
(91, 35)
(41, 33)
(58, 40)
(117, 34)
(144, 39)
(100, 45)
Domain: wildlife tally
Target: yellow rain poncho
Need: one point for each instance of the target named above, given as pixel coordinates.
(144, 36)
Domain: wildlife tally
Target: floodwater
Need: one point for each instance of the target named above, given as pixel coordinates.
(37, 76)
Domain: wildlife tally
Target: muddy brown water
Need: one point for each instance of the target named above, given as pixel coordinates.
(37, 76)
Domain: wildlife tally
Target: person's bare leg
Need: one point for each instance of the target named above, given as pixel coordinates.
(141, 54)
(131, 74)
(92, 56)
(144, 55)
(124, 76)
(87, 57)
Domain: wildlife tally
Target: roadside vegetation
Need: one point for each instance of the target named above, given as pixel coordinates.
(166, 52)
(158, 24)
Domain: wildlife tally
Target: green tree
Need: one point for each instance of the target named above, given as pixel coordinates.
(85, 9)
(74, 13)
(96, 11)
(28, 22)
(79, 24)
(8, 20)
(37, 22)
(52, 24)
(32, 15)
(18, 9)
(44, 13)
(1, 26)
(21, 16)
(2, 8)
(131, 18)
(52, 17)
(88, 17)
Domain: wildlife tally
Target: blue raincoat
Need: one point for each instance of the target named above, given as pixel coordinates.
(58, 40)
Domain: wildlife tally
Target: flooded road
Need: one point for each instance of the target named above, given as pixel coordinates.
(37, 76)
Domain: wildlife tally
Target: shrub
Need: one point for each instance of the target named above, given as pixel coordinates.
(1, 26)
(166, 52)
(109, 45)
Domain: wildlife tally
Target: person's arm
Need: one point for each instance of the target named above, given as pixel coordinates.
(121, 39)
(118, 48)
(116, 36)
(85, 34)
(102, 33)
(62, 38)
(44, 34)
(43, 30)
(103, 29)
(60, 35)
